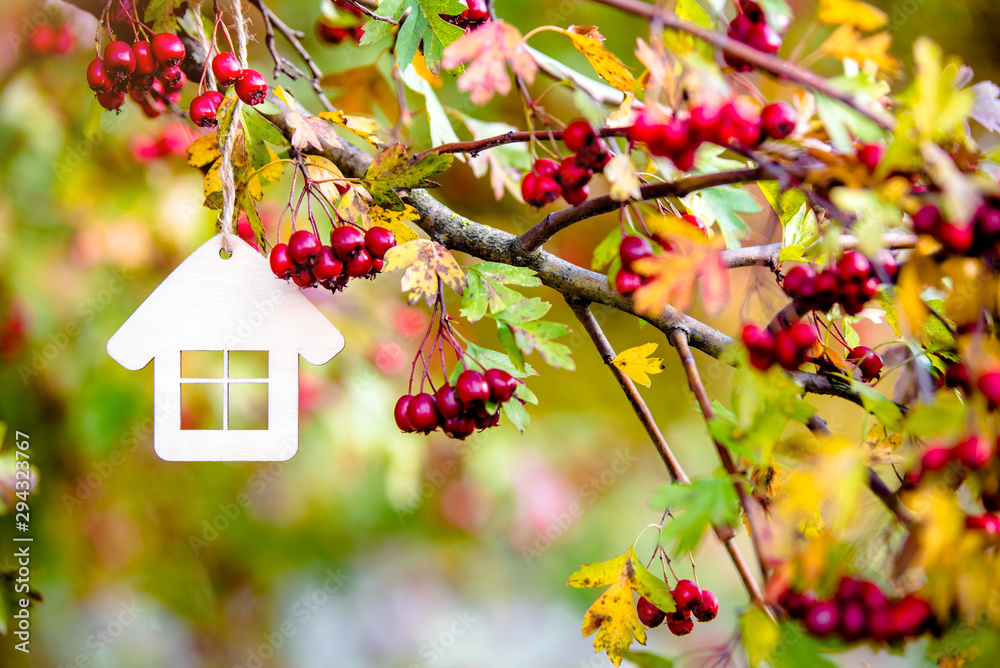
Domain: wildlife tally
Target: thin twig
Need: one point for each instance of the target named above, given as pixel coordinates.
(773, 64)
(537, 235)
(476, 146)
(281, 64)
(367, 12)
(725, 534)
(757, 523)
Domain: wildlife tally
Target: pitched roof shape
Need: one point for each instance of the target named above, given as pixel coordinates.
(212, 303)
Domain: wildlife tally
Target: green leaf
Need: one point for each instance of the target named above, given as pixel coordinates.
(648, 659)
(523, 311)
(607, 250)
(250, 208)
(391, 170)
(696, 507)
(843, 123)
(720, 205)
(492, 359)
(783, 645)
(946, 418)
(539, 335)
(491, 292)
(882, 407)
(514, 412)
(506, 338)
(423, 24)
(437, 119)
(257, 130)
(159, 15)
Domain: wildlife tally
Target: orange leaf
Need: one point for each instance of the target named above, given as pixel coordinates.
(694, 260)
(487, 50)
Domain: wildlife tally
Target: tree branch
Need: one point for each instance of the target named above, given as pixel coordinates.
(767, 255)
(726, 535)
(750, 507)
(537, 235)
(367, 12)
(768, 63)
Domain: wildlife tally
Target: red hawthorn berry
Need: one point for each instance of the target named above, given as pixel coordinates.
(822, 618)
(111, 101)
(226, 68)
(303, 246)
(545, 167)
(649, 614)
(168, 49)
(281, 263)
(867, 360)
(472, 387)
(987, 523)
(97, 77)
(572, 174)
(707, 608)
(459, 427)
(671, 139)
(974, 452)
(346, 241)
(359, 265)
(686, 595)
(575, 196)
(627, 282)
(145, 61)
(378, 240)
(870, 155)
(251, 87)
(578, 135)
(989, 386)
(502, 385)
(119, 60)
(400, 413)
(204, 108)
(447, 402)
(695, 222)
(779, 120)
(935, 458)
(633, 248)
(421, 413)
(680, 625)
(326, 265)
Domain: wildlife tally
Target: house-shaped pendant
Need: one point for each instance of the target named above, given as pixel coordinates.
(231, 307)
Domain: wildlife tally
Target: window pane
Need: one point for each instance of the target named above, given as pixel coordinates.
(247, 406)
(201, 405)
(201, 364)
(248, 364)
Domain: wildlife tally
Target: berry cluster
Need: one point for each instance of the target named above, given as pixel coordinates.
(738, 122)
(973, 452)
(976, 237)
(137, 67)
(250, 85)
(751, 28)
(702, 604)
(867, 361)
(460, 410)
(54, 41)
(633, 248)
(549, 179)
(473, 17)
(352, 253)
(988, 523)
(860, 610)
(342, 28)
(790, 348)
(852, 282)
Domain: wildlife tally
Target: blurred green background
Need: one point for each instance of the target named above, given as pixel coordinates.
(369, 548)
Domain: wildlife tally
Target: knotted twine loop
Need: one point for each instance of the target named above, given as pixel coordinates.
(227, 142)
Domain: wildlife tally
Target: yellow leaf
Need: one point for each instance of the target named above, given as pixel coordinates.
(426, 263)
(212, 186)
(660, 65)
(285, 97)
(394, 222)
(488, 50)
(846, 42)
(624, 180)
(637, 364)
(603, 61)
(613, 616)
(918, 272)
(203, 151)
(356, 205)
(366, 128)
(421, 67)
(322, 169)
(273, 170)
(861, 15)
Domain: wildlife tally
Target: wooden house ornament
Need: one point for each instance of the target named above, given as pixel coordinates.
(226, 310)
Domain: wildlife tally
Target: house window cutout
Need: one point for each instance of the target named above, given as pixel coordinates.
(223, 389)
(226, 336)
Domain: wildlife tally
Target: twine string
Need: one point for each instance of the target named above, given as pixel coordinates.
(228, 142)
